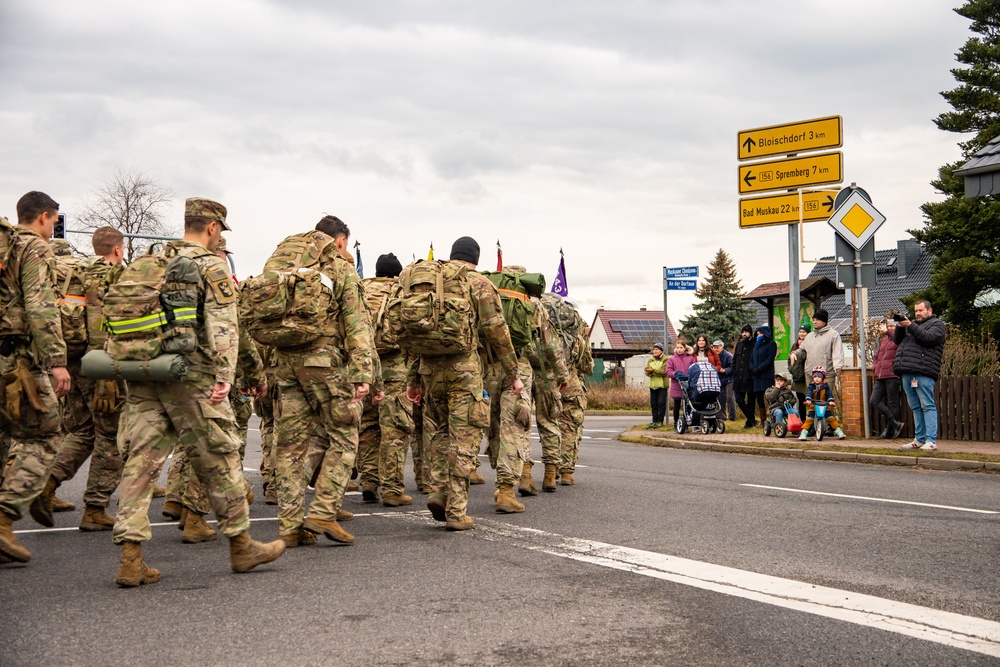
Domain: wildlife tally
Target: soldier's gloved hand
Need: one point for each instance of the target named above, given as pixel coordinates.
(105, 397)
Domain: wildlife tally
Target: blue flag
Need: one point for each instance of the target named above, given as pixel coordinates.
(357, 260)
(559, 285)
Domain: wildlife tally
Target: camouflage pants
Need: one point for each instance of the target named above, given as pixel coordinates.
(455, 417)
(243, 410)
(4, 445)
(160, 416)
(369, 435)
(510, 423)
(571, 429)
(89, 434)
(34, 441)
(548, 408)
(317, 425)
(421, 468)
(264, 407)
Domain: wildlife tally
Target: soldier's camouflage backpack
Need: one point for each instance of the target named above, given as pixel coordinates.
(153, 308)
(285, 305)
(72, 301)
(518, 310)
(97, 280)
(567, 321)
(378, 293)
(434, 316)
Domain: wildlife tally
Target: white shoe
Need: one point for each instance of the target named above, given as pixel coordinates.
(910, 446)
(928, 447)
(840, 434)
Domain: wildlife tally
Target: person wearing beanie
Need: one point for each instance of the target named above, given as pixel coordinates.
(823, 347)
(465, 249)
(728, 397)
(656, 371)
(742, 379)
(387, 266)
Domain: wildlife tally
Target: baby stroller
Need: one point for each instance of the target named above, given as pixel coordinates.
(700, 390)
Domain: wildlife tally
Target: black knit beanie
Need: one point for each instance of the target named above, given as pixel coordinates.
(822, 316)
(465, 249)
(387, 266)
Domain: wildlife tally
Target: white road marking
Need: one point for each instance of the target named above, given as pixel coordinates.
(950, 629)
(878, 500)
(602, 430)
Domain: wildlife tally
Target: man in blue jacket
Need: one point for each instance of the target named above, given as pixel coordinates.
(918, 363)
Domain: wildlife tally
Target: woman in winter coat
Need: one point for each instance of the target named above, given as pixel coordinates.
(704, 352)
(656, 371)
(679, 362)
(762, 367)
(885, 394)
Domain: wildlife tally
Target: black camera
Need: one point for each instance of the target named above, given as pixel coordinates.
(899, 317)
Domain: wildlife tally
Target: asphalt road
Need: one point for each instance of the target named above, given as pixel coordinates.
(655, 557)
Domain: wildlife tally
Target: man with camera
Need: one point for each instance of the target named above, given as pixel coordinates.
(918, 363)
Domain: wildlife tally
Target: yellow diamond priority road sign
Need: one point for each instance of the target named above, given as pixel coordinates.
(856, 220)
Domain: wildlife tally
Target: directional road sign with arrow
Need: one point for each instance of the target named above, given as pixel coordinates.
(795, 172)
(789, 138)
(783, 209)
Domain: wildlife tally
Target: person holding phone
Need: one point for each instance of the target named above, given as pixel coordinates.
(918, 363)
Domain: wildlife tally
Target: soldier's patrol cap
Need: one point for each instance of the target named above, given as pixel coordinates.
(221, 247)
(212, 211)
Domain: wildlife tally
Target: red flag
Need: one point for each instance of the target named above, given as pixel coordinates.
(499, 257)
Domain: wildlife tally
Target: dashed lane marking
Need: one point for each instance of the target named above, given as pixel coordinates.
(877, 500)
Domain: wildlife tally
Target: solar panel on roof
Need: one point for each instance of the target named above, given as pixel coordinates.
(638, 332)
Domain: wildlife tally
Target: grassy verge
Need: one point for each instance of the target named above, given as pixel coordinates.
(606, 396)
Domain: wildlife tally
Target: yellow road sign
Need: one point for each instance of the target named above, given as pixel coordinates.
(784, 209)
(856, 220)
(803, 135)
(796, 172)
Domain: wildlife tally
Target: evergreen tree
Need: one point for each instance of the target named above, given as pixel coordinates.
(964, 234)
(720, 312)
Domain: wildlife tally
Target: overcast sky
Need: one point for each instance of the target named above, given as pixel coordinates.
(605, 128)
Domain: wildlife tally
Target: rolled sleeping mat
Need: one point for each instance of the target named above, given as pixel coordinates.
(98, 365)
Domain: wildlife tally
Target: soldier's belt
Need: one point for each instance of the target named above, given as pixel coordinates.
(158, 319)
(99, 365)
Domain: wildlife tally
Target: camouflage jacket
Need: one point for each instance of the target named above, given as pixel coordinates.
(218, 335)
(249, 366)
(547, 343)
(392, 361)
(28, 298)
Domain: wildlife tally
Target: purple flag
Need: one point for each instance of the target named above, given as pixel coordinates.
(559, 284)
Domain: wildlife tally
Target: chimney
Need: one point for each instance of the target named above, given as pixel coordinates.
(908, 253)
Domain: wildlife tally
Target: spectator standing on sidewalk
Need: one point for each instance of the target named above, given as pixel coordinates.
(726, 378)
(680, 362)
(742, 380)
(885, 395)
(656, 371)
(918, 364)
(762, 358)
(797, 369)
(823, 347)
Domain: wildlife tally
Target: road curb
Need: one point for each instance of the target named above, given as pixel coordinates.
(928, 462)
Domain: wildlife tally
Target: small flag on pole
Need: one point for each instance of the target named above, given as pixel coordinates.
(559, 285)
(430, 254)
(357, 259)
(499, 257)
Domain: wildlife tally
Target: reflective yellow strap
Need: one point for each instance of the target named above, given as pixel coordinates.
(181, 314)
(138, 324)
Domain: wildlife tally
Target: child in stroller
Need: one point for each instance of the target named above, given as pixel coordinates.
(700, 389)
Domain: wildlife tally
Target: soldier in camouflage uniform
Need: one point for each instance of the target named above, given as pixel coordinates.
(32, 362)
(510, 414)
(194, 414)
(92, 407)
(418, 450)
(320, 389)
(385, 427)
(574, 401)
(186, 497)
(455, 412)
(264, 407)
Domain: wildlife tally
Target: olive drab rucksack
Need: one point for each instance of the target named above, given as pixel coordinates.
(286, 305)
(518, 310)
(13, 315)
(154, 306)
(378, 293)
(434, 316)
(72, 302)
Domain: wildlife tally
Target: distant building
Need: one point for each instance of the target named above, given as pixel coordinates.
(620, 334)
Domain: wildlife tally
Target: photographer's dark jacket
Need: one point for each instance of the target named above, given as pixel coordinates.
(921, 346)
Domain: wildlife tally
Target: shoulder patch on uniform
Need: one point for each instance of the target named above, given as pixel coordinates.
(222, 284)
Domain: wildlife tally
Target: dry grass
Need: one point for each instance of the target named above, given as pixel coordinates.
(609, 396)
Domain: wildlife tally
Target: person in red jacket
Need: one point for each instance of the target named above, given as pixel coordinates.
(885, 395)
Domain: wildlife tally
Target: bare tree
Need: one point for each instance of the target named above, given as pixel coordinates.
(132, 202)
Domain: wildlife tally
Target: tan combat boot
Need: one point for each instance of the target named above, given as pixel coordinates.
(172, 509)
(476, 478)
(330, 529)
(352, 486)
(196, 530)
(41, 506)
(505, 500)
(436, 505)
(94, 518)
(134, 571)
(396, 500)
(566, 479)
(369, 492)
(344, 515)
(465, 523)
(159, 491)
(549, 481)
(9, 545)
(245, 553)
(59, 505)
(183, 519)
(526, 487)
(250, 495)
(299, 538)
